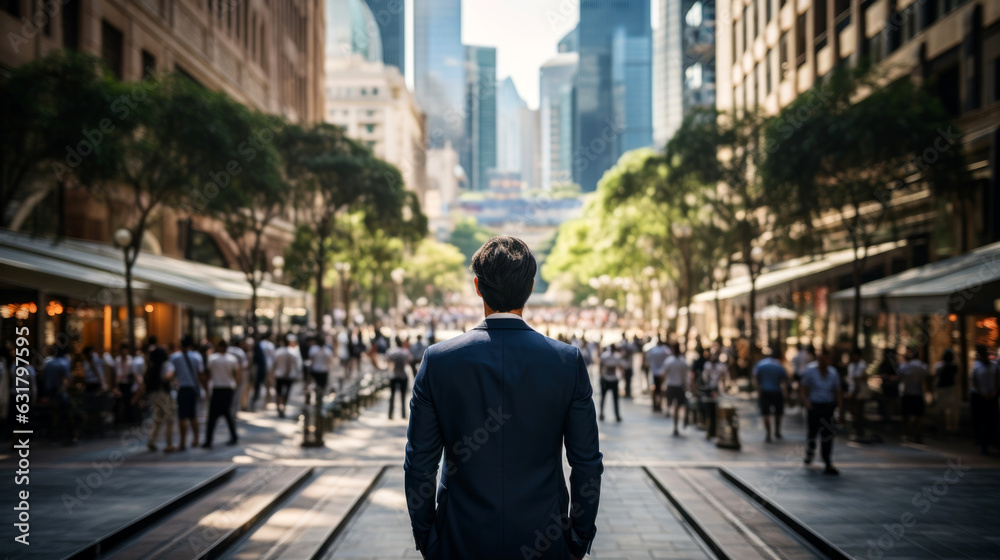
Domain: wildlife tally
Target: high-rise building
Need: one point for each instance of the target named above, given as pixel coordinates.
(439, 68)
(531, 171)
(614, 85)
(480, 154)
(683, 63)
(348, 31)
(557, 119)
(390, 15)
(509, 105)
(570, 42)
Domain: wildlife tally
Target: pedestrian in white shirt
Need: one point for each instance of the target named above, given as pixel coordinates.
(235, 347)
(915, 380)
(224, 373)
(287, 364)
(320, 358)
(676, 374)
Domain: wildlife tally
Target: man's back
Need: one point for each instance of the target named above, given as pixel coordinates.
(501, 400)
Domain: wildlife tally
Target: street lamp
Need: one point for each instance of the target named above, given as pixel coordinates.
(343, 270)
(125, 240)
(682, 232)
(719, 275)
(755, 262)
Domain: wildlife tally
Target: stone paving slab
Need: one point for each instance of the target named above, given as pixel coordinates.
(882, 514)
(72, 507)
(634, 522)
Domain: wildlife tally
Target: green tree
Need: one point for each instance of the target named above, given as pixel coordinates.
(434, 270)
(864, 143)
(334, 176)
(469, 236)
(57, 111)
(255, 192)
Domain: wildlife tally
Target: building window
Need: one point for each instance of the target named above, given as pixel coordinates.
(800, 40)
(112, 45)
(819, 22)
(783, 66)
(996, 79)
(752, 22)
(71, 24)
(767, 11)
(768, 63)
(370, 113)
(12, 7)
(148, 64)
(364, 91)
(374, 91)
(370, 128)
(746, 29)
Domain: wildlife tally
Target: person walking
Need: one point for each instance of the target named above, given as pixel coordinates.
(820, 392)
(263, 362)
(235, 347)
(287, 365)
(772, 384)
(531, 398)
(656, 358)
(712, 376)
(983, 389)
(189, 373)
(914, 377)
(676, 376)
(124, 413)
(627, 349)
(224, 374)
(320, 358)
(159, 374)
(946, 394)
(610, 365)
(417, 350)
(858, 392)
(398, 358)
(888, 372)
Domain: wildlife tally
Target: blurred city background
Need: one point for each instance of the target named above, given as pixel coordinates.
(310, 178)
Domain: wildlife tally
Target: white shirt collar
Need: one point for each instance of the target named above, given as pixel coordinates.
(505, 316)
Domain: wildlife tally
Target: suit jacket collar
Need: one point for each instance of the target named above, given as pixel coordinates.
(503, 323)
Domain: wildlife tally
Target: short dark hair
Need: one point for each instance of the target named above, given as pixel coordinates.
(506, 270)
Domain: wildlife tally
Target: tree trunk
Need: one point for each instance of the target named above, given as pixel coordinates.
(374, 297)
(320, 272)
(253, 307)
(856, 320)
(130, 303)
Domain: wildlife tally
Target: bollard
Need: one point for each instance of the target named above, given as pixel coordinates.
(312, 422)
(728, 427)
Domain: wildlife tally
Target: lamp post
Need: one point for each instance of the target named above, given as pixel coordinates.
(682, 232)
(125, 241)
(343, 270)
(398, 274)
(278, 268)
(754, 262)
(719, 275)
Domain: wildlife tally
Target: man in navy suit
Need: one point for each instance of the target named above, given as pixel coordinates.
(501, 400)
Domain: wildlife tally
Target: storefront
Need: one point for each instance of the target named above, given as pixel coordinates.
(74, 291)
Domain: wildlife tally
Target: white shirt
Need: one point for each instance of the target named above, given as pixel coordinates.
(319, 358)
(912, 373)
(854, 372)
(677, 371)
(138, 366)
(287, 362)
(269, 352)
(984, 378)
(123, 368)
(222, 370)
(821, 390)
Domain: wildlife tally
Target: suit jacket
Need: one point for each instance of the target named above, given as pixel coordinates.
(501, 400)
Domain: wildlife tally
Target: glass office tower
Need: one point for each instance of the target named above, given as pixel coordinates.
(439, 68)
(390, 15)
(480, 154)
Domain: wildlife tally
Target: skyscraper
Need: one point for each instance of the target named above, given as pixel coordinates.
(480, 154)
(390, 15)
(557, 118)
(439, 68)
(614, 85)
(683, 63)
(509, 104)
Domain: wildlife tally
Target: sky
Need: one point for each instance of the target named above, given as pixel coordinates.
(525, 33)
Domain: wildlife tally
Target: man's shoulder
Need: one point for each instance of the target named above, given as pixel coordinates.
(469, 340)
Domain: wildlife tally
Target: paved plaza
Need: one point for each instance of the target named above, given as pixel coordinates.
(663, 496)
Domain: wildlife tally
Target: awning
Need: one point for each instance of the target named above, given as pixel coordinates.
(967, 283)
(23, 268)
(776, 312)
(199, 286)
(794, 269)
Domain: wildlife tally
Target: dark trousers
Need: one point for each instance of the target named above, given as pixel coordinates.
(628, 383)
(820, 426)
(612, 387)
(657, 393)
(220, 405)
(711, 411)
(124, 411)
(400, 385)
(984, 420)
(257, 383)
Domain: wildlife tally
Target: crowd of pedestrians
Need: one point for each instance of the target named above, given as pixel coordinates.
(79, 391)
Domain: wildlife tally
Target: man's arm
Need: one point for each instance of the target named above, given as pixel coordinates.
(586, 462)
(423, 456)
